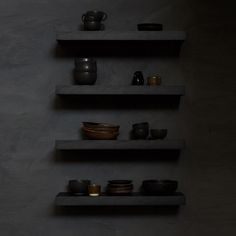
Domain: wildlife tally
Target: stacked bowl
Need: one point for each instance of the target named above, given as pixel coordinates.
(119, 187)
(85, 72)
(100, 131)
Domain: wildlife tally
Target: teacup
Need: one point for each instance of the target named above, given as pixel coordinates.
(97, 16)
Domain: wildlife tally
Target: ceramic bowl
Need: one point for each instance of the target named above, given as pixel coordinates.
(79, 187)
(99, 135)
(155, 187)
(101, 126)
(85, 78)
(158, 133)
(94, 16)
(92, 26)
(150, 27)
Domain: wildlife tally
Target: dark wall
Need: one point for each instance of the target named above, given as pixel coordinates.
(30, 121)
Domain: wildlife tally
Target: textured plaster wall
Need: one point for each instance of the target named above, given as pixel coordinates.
(30, 176)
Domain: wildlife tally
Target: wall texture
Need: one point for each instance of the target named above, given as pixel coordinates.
(30, 176)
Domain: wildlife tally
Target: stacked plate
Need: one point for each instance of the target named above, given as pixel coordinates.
(119, 187)
(100, 131)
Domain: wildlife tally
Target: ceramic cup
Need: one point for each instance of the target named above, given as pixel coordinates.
(154, 80)
(140, 130)
(79, 187)
(92, 25)
(138, 78)
(94, 190)
(97, 16)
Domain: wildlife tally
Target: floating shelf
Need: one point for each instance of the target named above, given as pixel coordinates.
(66, 199)
(119, 145)
(123, 42)
(108, 35)
(117, 91)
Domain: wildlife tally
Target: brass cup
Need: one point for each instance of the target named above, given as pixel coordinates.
(154, 80)
(94, 190)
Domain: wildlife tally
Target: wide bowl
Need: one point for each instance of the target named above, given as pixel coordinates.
(100, 126)
(150, 27)
(85, 78)
(120, 181)
(155, 187)
(99, 135)
(158, 133)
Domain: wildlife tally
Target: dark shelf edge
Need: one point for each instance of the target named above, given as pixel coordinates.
(115, 91)
(119, 145)
(65, 199)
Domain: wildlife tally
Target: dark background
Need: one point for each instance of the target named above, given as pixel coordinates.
(30, 121)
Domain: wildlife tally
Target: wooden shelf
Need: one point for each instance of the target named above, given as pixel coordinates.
(122, 42)
(109, 35)
(119, 145)
(86, 90)
(66, 199)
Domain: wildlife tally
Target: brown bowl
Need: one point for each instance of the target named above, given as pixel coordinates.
(103, 129)
(94, 125)
(99, 135)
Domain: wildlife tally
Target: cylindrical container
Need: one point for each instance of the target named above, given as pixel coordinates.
(94, 190)
(154, 80)
(140, 130)
(85, 65)
(138, 78)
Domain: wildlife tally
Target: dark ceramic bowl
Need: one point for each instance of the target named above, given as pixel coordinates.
(79, 187)
(150, 27)
(92, 26)
(158, 133)
(85, 65)
(85, 78)
(155, 187)
(140, 130)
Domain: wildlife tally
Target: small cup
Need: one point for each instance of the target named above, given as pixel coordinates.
(140, 130)
(94, 190)
(154, 80)
(138, 78)
(94, 16)
(92, 26)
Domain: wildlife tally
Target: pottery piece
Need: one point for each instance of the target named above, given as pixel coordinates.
(119, 187)
(94, 16)
(158, 133)
(79, 187)
(85, 65)
(99, 135)
(157, 187)
(138, 78)
(85, 78)
(101, 126)
(92, 26)
(94, 190)
(150, 27)
(154, 80)
(140, 130)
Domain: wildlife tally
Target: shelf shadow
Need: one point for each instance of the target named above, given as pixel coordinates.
(116, 102)
(116, 155)
(118, 48)
(116, 210)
